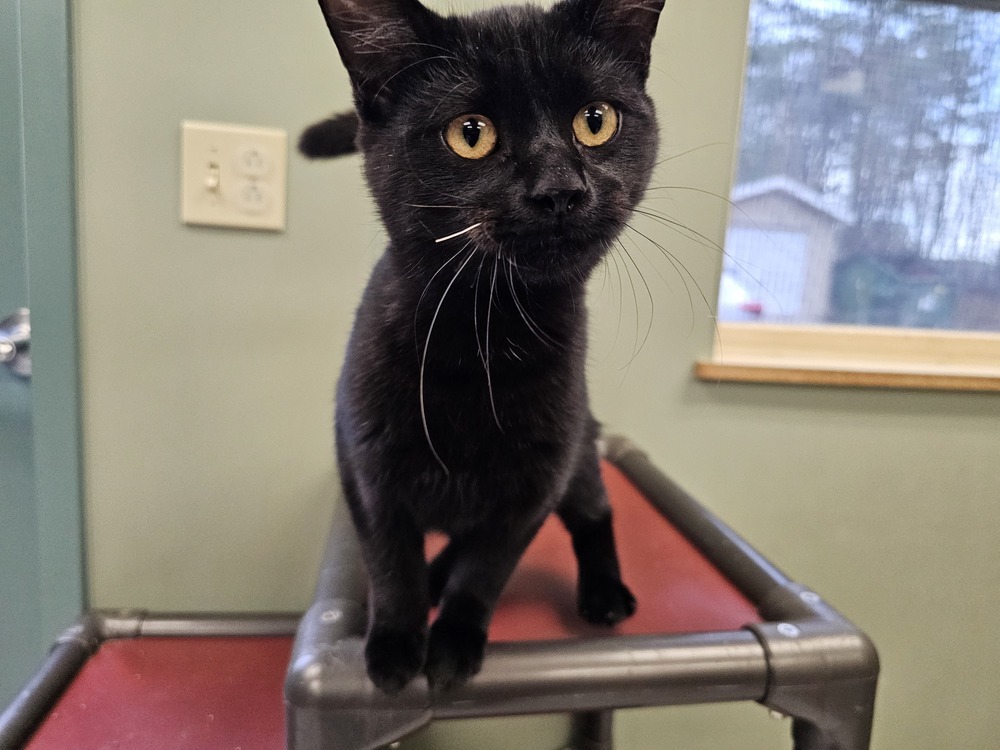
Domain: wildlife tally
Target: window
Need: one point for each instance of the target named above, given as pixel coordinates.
(867, 192)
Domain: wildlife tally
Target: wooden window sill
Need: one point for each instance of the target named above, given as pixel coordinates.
(851, 357)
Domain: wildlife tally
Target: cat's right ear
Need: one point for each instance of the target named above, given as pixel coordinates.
(376, 40)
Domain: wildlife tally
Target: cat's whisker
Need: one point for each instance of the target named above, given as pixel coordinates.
(691, 151)
(621, 299)
(635, 308)
(691, 189)
(652, 265)
(541, 335)
(460, 233)
(475, 311)
(427, 286)
(423, 359)
(699, 238)
(429, 205)
(489, 315)
(682, 272)
(707, 242)
(680, 268)
(483, 350)
(704, 241)
(637, 346)
(692, 234)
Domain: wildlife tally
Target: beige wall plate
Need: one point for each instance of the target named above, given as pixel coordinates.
(233, 175)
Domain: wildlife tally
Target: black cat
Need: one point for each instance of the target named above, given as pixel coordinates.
(505, 151)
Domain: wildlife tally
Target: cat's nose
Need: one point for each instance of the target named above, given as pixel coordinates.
(558, 193)
(558, 202)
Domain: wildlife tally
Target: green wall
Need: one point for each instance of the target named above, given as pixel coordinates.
(209, 358)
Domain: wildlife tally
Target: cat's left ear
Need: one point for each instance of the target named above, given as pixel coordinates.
(627, 25)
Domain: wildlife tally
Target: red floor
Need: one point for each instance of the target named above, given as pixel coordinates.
(226, 693)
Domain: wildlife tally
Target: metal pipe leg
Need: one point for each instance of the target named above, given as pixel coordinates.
(591, 730)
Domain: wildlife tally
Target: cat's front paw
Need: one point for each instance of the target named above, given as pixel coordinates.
(394, 657)
(605, 601)
(454, 653)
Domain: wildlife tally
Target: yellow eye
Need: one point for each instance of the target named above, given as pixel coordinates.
(595, 124)
(471, 136)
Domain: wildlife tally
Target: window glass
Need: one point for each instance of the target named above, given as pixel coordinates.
(868, 184)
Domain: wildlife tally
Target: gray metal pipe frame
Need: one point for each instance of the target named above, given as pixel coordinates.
(751, 572)
(822, 670)
(80, 641)
(805, 660)
(331, 702)
(65, 659)
(550, 676)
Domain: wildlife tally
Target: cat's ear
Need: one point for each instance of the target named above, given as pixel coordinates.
(376, 39)
(626, 25)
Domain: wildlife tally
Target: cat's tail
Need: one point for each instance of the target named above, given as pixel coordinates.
(331, 137)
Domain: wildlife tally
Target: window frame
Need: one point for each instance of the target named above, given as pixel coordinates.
(854, 356)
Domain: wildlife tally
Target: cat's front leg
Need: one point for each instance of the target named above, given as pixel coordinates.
(473, 570)
(396, 644)
(393, 552)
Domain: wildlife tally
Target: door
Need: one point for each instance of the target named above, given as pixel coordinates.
(18, 532)
(41, 583)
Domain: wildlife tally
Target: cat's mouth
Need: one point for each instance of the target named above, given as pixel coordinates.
(567, 247)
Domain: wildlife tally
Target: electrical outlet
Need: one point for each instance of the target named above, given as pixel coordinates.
(233, 175)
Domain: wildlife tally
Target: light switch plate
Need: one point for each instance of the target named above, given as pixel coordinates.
(233, 175)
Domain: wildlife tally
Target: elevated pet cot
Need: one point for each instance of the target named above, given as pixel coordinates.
(716, 622)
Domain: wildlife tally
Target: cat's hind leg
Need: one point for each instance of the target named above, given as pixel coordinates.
(602, 597)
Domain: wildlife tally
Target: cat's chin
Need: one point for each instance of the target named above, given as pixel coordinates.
(554, 269)
(548, 259)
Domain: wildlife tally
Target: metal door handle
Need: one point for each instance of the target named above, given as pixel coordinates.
(15, 343)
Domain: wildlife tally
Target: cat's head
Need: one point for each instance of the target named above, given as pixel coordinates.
(517, 132)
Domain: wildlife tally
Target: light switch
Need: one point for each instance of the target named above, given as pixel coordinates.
(233, 175)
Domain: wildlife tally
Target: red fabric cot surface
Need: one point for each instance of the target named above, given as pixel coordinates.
(226, 693)
(174, 694)
(677, 588)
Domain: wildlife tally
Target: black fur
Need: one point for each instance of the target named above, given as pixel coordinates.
(462, 404)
